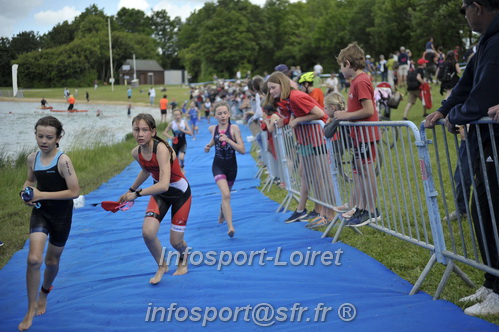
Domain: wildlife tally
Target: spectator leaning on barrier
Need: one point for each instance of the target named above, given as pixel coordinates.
(361, 107)
(255, 87)
(471, 99)
(296, 107)
(494, 113)
(320, 214)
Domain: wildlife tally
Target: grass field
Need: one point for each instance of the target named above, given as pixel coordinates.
(14, 215)
(405, 259)
(108, 94)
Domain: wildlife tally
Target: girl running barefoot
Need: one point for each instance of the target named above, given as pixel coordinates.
(226, 138)
(52, 210)
(179, 128)
(170, 189)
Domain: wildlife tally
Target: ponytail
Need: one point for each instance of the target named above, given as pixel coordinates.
(156, 137)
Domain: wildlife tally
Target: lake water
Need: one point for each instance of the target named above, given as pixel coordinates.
(17, 121)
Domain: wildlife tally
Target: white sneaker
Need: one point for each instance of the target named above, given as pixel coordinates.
(488, 307)
(479, 295)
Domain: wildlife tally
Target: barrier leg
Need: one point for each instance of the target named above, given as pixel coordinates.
(259, 173)
(267, 184)
(445, 277)
(338, 232)
(331, 225)
(451, 267)
(285, 203)
(423, 275)
(464, 276)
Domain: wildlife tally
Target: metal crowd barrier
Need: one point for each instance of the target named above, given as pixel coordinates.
(270, 161)
(398, 183)
(304, 156)
(467, 188)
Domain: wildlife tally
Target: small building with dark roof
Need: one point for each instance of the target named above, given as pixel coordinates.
(149, 72)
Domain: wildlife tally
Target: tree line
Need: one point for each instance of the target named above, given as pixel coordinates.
(229, 35)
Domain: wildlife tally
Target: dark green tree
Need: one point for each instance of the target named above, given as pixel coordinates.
(279, 35)
(226, 42)
(6, 56)
(134, 21)
(190, 40)
(166, 32)
(446, 32)
(63, 33)
(391, 28)
(24, 42)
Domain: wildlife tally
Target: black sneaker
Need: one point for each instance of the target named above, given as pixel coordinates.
(311, 215)
(356, 214)
(296, 216)
(364, 218)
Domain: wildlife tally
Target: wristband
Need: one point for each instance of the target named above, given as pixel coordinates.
(137, 192)
(131, 190)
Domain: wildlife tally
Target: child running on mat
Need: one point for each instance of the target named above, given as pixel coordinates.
(179, 128)
(170, 189)
(226, 138)
(52, 211)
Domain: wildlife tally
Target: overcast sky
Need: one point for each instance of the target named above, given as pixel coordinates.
(42, 15)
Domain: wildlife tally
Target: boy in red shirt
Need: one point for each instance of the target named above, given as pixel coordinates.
(361, 107)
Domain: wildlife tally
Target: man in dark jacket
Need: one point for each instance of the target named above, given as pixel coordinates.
(469, 101)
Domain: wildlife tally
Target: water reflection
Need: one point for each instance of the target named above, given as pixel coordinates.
(82, 129)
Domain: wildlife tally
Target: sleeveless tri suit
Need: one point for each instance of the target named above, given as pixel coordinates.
(54, 217)
(178, 195)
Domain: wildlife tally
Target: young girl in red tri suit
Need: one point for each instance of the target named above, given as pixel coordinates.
(170, 189)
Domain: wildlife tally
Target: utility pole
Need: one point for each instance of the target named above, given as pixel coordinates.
(110, 54)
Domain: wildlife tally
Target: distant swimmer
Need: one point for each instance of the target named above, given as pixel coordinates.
(44, 103)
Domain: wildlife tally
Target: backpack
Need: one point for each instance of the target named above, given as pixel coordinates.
(444, 74)
(394, 100)
(412, 80)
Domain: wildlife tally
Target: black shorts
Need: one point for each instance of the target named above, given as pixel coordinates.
(366, 152)
(225, 172)
(53, 219)
(163, 112)
(179, 201)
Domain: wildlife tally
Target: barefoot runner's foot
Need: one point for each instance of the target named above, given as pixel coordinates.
(162, 269)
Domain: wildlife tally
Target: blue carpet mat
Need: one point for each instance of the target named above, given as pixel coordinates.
(105, 269)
